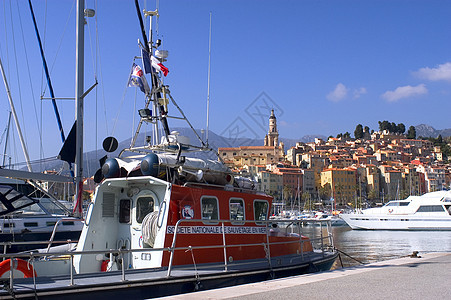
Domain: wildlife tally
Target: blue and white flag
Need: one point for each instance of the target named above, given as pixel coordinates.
(137, 79)
(146, 61)
(150, 61)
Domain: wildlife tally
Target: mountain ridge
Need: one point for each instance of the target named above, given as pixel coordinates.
(91, 161)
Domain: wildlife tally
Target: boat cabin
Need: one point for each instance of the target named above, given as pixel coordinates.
(146, 213)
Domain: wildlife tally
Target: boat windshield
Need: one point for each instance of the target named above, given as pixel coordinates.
(11, 200)
(397, 203)
(44, 206)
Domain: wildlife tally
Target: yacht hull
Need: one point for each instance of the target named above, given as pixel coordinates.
(393, 222)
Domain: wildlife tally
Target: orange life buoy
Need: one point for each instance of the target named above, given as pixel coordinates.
(19, 265)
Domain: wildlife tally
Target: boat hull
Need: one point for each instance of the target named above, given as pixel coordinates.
(106, 285)
(35, 240)
(396, 222)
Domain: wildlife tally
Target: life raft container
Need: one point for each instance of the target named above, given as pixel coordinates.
(19, 265)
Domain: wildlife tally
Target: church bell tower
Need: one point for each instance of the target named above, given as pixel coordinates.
(272, 138)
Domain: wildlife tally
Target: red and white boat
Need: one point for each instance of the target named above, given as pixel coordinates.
(164, 222)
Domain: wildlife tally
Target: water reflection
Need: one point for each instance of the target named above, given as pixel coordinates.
(376, 245)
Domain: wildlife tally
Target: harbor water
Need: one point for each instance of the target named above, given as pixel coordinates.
(369, 246)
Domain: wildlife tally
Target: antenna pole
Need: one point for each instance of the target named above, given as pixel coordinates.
(209, 74)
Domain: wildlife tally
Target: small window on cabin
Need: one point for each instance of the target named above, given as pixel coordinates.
(236, 209)
(124, 211)
(30, 224)
(144, 206)
(51, 223)
(260, 210)
(430, 208)
(9, 225)
(209, 208)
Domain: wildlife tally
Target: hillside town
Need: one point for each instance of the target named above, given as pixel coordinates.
(360, 172)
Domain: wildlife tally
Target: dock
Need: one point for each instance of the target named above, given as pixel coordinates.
(423, 277)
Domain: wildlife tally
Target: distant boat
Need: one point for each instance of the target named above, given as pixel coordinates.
(32, 223)
(322, 216)
(431, 211)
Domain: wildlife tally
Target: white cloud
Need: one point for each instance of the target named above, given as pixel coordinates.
(405, 92)
(359, 92)
(339, 93)
(441, 72)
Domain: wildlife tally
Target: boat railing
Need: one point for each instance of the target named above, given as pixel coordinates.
(318, 242)
(49, 243)
(324, 244)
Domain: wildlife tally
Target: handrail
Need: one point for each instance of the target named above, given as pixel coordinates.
(55, 227)
(266, 245)
(31, 256)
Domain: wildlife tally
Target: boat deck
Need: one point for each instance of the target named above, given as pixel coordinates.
(154, 282)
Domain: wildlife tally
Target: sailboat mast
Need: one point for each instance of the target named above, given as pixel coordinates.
(16, 120)
(6, 139)
(79, 78)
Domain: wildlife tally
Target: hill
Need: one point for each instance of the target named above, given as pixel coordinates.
(429, 131)
(91, 159)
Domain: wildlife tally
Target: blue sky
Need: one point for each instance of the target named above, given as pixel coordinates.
(324, 66)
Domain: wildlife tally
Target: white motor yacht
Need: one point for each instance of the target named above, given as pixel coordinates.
(431, 211)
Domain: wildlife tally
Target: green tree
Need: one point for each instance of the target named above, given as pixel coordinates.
(392, 128)
(306, 197)
(358, 132)
(325, 191)
(446, 150)
(439, 139)
(401, 128)
(384, 125)
(412, 133)
(372, 194)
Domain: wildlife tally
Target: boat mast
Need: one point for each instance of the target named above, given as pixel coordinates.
(47, 75)
(79, 70)
(156, 130)
(16, 120)
(6, 140)
(209, 75)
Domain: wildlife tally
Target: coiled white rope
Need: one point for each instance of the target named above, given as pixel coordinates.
(149, 228)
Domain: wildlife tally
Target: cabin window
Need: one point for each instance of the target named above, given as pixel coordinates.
(124, 211)
(144, 206)
(68, 223)
(260, 210)
(9, 225)
(209, 208)
(30, 224)
(236, 210)
(430, 208)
